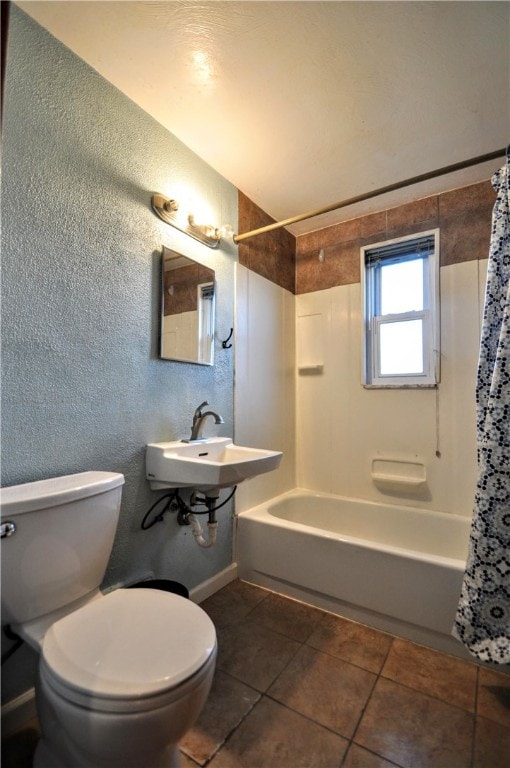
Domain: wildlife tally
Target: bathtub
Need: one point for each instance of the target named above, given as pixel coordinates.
(397, 568)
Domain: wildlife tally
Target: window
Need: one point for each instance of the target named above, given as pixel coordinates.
(401, 311)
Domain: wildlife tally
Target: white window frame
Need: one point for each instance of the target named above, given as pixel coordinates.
(205, 336)
(372, 377)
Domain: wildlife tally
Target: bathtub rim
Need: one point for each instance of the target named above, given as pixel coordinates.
(261, 514)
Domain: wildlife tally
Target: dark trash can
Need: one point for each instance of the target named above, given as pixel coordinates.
(164, 584)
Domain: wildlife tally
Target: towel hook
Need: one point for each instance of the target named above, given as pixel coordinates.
(225, 343)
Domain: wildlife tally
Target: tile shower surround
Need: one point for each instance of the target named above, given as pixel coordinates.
(296, 687)
(463, 216)
(271, 255)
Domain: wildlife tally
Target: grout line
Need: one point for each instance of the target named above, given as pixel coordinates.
(429, 695)
(371, 752)
(289, 662)
(238, 725)
(306, 717)
(477, 688)
(365, 707)
(378, 676)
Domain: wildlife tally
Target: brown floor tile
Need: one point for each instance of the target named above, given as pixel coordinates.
(357, 757)
(415, 730)
(428, 671)
(253, 654)
(273, 736)
(289, 617)
(327, 690)
(319, 671)
(494, 696)
(187, 762)
(233, 602)
(492, 745)
(18, 749)
(228, 702)
(352, 642)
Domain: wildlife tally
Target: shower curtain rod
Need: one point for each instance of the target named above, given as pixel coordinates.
(373, 193)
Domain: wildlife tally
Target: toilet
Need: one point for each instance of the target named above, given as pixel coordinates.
(122, 676)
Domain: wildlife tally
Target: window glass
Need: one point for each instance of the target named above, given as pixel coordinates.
(401, 348)
(402, 287)
(401, 311)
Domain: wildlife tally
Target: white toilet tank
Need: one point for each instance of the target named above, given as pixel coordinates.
(59, 550)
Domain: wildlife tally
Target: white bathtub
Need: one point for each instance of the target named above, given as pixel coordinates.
(397, 568)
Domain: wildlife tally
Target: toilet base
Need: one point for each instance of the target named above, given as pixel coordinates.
(45, 757)
(74, 736)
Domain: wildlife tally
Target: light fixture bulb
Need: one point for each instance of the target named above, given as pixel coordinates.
(166, 209)
(226, 230)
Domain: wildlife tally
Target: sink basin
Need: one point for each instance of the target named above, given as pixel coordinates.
(212, 463)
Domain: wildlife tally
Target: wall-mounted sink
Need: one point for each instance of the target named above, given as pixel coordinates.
(212, 463)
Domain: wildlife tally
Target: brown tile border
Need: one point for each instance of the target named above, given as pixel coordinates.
(458, 201)
(465, 237)
(463, 216)
(373, 224)
(415, 216)
(272, 254)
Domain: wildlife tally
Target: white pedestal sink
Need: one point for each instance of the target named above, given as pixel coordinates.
(205, 464)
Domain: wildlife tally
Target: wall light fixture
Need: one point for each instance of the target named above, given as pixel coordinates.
(168, 211)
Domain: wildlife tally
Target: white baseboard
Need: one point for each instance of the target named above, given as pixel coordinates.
(218, 581)
(18, 712)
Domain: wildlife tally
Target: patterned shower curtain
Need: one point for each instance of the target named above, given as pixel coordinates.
(483, 615)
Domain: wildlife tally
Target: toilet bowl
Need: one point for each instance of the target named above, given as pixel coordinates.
(122, 676)
(121, 681)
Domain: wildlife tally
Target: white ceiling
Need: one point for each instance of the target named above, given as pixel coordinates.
(302, 104)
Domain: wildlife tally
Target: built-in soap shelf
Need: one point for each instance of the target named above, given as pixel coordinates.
(399, 475)
(310, 345)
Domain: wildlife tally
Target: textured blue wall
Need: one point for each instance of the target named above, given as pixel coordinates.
(82, 384)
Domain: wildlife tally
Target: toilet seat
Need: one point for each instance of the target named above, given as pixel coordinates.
(90, 702)
(127, 646)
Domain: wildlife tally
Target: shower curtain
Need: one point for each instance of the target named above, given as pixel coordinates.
(483, 615)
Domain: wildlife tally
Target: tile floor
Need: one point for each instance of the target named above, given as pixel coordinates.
(296, 687)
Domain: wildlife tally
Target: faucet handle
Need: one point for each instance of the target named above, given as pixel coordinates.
(198, 411)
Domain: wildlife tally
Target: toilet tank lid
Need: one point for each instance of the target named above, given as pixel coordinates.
(27, 497)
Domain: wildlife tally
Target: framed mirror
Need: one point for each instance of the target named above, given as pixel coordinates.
(187, 309)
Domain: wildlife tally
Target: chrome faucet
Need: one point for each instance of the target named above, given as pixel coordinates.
(198, 423)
